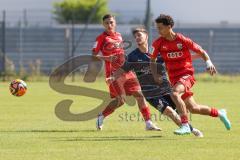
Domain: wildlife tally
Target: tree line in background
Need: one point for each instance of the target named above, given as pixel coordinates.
(78, 11)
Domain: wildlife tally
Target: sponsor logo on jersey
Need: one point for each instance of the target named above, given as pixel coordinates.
(172, 55)
(113, 43)
(145, 70)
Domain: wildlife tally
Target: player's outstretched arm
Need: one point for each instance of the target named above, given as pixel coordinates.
(210, 67)
(111, 58)
(200, 52)
(195, 56)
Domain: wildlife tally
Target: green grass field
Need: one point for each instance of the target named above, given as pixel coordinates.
(30, 130)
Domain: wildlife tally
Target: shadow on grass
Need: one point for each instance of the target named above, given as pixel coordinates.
(109, 138)
(45, 131)
(98, 136)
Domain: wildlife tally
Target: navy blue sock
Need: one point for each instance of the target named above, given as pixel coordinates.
(191, 128)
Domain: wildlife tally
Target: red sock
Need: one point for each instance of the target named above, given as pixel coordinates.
(145, 113)
(107, 111)
(184, 119)
(214, 112)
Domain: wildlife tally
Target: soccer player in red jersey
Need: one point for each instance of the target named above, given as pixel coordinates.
(175, 48)
(156, 94)
(110, 44)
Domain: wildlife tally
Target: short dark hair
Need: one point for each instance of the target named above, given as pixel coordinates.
(139, 29)
(106, 16)
(165, 20)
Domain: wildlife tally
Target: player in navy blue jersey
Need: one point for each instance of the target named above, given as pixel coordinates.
(156, 89)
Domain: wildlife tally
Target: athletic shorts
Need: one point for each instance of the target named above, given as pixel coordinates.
(161, 103)
(188, 82)
(127, 84)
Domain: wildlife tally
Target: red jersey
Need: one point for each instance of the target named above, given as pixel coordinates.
(176, 55)
(110, 44)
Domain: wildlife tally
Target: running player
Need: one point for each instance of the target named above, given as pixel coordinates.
(158, 95)
(110, 43)
(175, 48)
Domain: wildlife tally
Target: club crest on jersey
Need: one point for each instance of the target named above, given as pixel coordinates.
(179, 46)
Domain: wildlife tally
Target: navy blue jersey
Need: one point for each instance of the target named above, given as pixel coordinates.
(140, 63)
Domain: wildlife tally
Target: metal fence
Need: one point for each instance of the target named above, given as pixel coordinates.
(41, 44)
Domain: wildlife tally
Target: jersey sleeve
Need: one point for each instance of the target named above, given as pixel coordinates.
(155, 50)
(98, 45)
(128, 65)
(192, 45)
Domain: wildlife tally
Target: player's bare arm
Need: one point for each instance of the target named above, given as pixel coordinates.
(210, 67)
(115, 75)
(154, 69)
(110, 58)
(200, 53)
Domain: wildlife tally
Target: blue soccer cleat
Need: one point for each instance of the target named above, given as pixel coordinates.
(184, 129)
(223, 117)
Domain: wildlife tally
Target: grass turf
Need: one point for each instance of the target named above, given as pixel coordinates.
(30, 130)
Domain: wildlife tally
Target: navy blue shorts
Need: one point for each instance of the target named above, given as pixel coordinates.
(161, 103)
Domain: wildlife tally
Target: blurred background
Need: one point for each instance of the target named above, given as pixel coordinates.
(37, 36)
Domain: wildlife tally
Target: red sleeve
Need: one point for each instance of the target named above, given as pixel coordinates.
(192, 45)
(155, 50)
(98, 44)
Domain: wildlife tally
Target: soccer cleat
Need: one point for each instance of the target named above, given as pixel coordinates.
(151, 126)
(197, 133)
(99, 122)
(223, 117)
(184, 129)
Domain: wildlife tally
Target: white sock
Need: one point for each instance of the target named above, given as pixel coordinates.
(148, 122)
(185, 124)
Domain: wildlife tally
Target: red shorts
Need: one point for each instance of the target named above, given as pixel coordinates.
(126, 84)
(188, 82)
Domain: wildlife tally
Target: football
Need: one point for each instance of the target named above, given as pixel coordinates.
(18, 87)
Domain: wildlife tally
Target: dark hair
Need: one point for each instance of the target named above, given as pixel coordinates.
(165, 20)
(139, 29)
(106, 16)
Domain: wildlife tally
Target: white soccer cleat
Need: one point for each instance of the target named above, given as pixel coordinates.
(99, 122)
(183, 130)
(151, 126)
(197, 133)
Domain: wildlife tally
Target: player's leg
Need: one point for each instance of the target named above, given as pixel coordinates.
(111, 107)
(206, 110)
(172, 114)
(132, 87)
(145, 111)
(168, 102)
(162, 105)
(115, 92)
(166, 106)
(178, 90)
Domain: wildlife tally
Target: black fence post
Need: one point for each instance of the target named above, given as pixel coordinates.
(3, 46)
